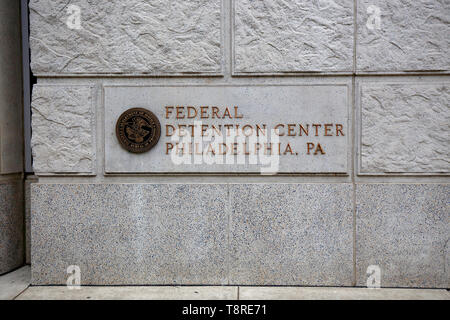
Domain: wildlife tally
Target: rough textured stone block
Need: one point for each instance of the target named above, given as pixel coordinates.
(291, 234)
(293, 36)
(404, 229)
(129, 233)
(132, 36)
(410, 36)
(63, 135)
(405, 128)
(11, 226)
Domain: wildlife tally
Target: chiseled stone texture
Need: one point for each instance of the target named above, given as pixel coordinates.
(405, 128)
(291, 234)
(126, 36)
(405, 230)
(63, 135)
(11, 226)
(129, 233)
(412, 36)
(293, 36)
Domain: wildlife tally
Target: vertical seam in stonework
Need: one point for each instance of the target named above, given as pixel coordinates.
(354, 135)
(1, 149)
(353, 146)
(228, 25)
(354, 232)
(24, 221)
(355, 33)
(99, 121)
(227, 43)
(228, 251)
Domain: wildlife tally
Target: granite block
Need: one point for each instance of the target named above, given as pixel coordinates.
(291, 234)
(129, 233)
(405, 230)
(398, 35)
(285, 36)
(27, 204)
(405, 127)
(11, 226)
(125, 37)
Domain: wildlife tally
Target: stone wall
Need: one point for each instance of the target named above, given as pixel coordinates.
(11, 139)
(386, 205)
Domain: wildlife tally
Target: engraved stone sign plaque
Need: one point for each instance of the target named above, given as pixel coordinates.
(234, 129)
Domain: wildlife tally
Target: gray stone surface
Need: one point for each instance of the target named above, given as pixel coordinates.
(11, 226)
(412, 36)
(129, 233)
(293, 36)
(291, 234)
(228, 293)
(258, 105)
(404, 229)
(405, 128)
(296, 293)
(131, 293)
(11, 136)
(63, 133)
(14, 283)
(134, 234)
(131, 37)
(27, 204)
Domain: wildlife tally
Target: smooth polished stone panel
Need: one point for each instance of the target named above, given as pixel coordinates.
(397, 35)
(14, 283)
(405, 127)
(286, 36)
(11, 129)
(291, 234)
(131, 293)
(271, 105)
(302, 293)
(63, 135)
(129, 234)
(404, 229)
(11, 226)
(125, 37)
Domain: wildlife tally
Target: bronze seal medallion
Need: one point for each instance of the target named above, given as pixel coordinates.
(138, 130)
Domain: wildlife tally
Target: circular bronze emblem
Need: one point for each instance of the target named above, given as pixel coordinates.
(138, 130)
